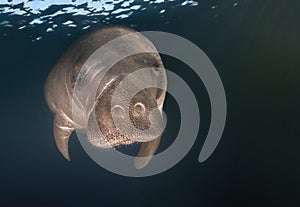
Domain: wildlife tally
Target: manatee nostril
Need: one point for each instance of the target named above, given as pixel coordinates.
(118, 110)
(139, 108)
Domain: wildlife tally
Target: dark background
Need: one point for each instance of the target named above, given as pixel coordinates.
(255, 47)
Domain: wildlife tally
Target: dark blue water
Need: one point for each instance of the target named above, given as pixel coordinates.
(253, 44)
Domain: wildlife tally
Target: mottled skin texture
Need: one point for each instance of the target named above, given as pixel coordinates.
(60, 84)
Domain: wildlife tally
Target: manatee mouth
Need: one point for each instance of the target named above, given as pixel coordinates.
(113, 139)
(110, 139)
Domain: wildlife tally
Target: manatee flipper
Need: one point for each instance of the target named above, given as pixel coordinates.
(62, 128)
(146, 152)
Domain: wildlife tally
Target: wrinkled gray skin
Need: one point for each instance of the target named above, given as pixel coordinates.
(61, 82)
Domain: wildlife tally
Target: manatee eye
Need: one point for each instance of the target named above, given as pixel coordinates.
(156, 66)
(138, 108)
(156, 70)
(118, 111)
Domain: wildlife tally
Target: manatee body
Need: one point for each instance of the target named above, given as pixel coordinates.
(75, 64)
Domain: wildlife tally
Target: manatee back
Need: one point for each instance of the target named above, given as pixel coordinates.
(61, 79)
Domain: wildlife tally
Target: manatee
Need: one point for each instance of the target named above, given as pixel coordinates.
(76, 62)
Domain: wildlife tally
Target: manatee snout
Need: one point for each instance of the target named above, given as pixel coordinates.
(126, 120)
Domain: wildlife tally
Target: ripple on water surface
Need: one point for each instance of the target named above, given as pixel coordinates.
(51, 15)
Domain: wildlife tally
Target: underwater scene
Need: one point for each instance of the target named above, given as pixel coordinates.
(241, 143)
